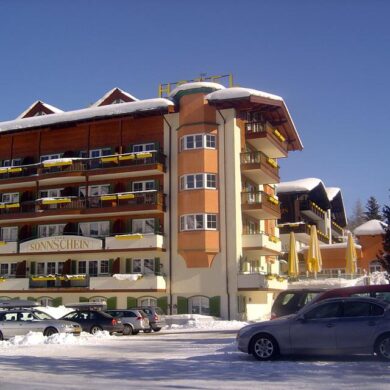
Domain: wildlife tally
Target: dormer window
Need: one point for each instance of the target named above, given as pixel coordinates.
(40, 113)
(118, 101)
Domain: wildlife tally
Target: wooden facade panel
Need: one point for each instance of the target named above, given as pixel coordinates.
(5, 147)
(105, 134)
(26, 144)
(73, 138)
(142, 130)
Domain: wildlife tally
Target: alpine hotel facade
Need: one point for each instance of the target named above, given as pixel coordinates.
(166, 201)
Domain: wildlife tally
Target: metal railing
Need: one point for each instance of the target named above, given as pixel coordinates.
(260, 158)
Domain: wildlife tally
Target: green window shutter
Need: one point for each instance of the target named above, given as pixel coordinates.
(182, 305)
(157, 267)
(34, 230)
(157, 184)
(31, 299)
(157, 226)
(215, 306)
(128, 266)
(83, 299)
(57, 301)
(111, 303)
(32, 268)
(131, 302)
(74, 267)
(110, 266)
(163, 304)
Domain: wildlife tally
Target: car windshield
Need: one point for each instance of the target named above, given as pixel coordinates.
(40, 315)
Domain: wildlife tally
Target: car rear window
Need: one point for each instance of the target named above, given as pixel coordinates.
(159, 311)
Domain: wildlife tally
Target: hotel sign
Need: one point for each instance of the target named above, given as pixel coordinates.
(61, 244)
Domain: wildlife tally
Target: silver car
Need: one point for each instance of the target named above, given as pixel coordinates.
(333, 326)
(18, 322)
(133, 320)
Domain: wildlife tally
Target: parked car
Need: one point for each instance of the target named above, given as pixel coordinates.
(133, 320)
(291, 301)
(380, 291)
(156, 317)
(93, 321)
(16, 320)
(355, 325)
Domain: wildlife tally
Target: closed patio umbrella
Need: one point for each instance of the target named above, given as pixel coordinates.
(293, 265)
(350, 256)
(314, 259)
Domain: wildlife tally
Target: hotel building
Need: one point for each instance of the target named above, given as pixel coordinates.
(166, 201)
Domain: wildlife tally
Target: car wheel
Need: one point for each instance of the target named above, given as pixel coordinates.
(382, 347)
(127, 330)
(264, 347)
(147, 330)
(95, 329)
(49, 332)
(156, 329)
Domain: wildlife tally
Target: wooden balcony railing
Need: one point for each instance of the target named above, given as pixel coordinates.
(260, 158)
(308, 205)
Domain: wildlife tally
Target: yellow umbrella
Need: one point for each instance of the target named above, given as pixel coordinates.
(293, 267)
(350, 256)
(314, 259)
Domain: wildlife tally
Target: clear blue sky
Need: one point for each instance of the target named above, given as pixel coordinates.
(330, 60)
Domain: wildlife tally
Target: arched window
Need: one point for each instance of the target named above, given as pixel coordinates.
(98, 299)
(199, 305)
(375, 266)
(147, 301)
(45, 301)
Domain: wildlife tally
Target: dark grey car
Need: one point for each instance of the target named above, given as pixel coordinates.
(333, 326)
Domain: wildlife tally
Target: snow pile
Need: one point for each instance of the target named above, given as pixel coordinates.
(36, 338)
(201, 322)
(370, 228)
(239, 93)
(300, 185)
(130, 277)
(195, 85)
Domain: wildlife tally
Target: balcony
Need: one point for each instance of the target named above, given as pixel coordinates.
(8, 247)
(260, 168)
(146, 282)
(59, 281)
(312, 210)
(262, 136)
(142, 201)
(114, 166)
(337, 229)
(257, 281)
(260, 205)
(135, 241)
(302, 232)
(261, 243)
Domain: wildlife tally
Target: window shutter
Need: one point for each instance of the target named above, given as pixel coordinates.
(215, 306)
(182, 305)
(157, 267)
(74, 267)
(157, 226)
(34, 230)
(32, 299)
(57, 301)
(111, 303)
(83, 299)
(110, 266)
(157, 185)
(32, 268)
(116, 267)
(131, 302)
(128, 266)
(163, 304)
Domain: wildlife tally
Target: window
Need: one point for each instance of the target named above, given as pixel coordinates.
(10, 197)
(117, 101)
(52, 193)
(104, 266)
(147, 301)
(143, 226)
(51, 230)
(95, 190)
(198, 141)
(198, 180)
(50, 157)
(361, 309)
(143, 147)
(198, 222)
(95, 153)
(4, 269)
(95, 229)
(143, 266)
(94, 267)
(147, 185)
(45, 301)
(12, 163)
(49, 268)
(9, 233)
(327, 310)
(199, 305)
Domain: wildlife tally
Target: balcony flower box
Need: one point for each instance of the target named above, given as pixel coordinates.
(59, 162)
(125, 157)
(55, 200)
(126, 195)
(109, 159)
(136, 236)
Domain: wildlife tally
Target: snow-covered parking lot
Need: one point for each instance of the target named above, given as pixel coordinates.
(176, 359)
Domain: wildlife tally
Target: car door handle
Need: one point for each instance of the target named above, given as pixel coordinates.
(330, 325)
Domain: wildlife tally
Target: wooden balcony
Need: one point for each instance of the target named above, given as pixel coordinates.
(260, 168)
(260, 205)
(312, 210)
(302, 232)
(262, 136)
(59, 281)
(337, 230)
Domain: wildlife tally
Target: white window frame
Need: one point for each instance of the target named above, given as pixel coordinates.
(143, 266)
(15, 162)
(145, 226)
(9, 270)
(195, 181)
(100, 265)
(100, 152)
(199, 305)
(9, 233)
(95, 190)
(147, 301)
(50, 193)
(198, 141)
(51, 230)
(102, 228)
(42, 267)
(189, 222)
(54, 156)
(10, 197)
(146, 147)
(144, 184)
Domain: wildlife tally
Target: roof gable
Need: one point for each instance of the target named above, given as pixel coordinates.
(114, 96)
(39, 108)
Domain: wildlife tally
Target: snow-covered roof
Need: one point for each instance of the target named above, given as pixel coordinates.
(371, 228)
(300, 185)
(332, 192)
(340, 245)
(239, 93)
(87, 113)
(51, 108)
(196, 85)
(110, 92)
